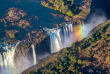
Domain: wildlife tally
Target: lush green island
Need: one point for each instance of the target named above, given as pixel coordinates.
(64, 6)
(67, 7)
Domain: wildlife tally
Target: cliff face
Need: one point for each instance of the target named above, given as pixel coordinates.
(23, 50)
(24, 53)
(43, 47)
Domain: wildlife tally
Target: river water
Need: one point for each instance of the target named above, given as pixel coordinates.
(32, 8)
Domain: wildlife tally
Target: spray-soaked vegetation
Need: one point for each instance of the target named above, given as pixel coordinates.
(91, 55)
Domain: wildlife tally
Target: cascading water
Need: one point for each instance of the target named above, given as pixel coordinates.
(34, 54)
(60, 38)
(10, 65)
(7, 58)
(65, 36)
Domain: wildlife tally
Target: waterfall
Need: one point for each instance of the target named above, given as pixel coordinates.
(60, 38)
(7, 58)
(63, 37)
(34, 54)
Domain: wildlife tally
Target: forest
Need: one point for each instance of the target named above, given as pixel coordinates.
(67, 7)
(90, 55)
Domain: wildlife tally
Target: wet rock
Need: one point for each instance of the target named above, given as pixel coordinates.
(39, 39)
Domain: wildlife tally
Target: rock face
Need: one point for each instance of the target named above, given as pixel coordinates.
(40, 40)
(24, 49)
(24, 56)
(43, 47)
(23, 53)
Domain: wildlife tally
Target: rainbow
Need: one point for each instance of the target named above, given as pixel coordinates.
(78, 32)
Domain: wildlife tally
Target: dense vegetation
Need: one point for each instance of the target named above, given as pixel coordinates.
(68, 7)
(91, 55)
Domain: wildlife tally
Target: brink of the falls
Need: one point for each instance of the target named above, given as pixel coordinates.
(60, 38)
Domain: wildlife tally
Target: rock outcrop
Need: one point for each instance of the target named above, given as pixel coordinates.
(41, 42)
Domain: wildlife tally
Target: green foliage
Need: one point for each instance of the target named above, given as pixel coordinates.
(96, 35)
(12, 35)
(69, 13)
(69, 62)
(66, 63)
(64, 6)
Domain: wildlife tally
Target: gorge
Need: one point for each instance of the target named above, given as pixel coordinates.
(16, 57)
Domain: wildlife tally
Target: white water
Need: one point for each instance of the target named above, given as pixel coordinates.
(7, 63)
(64, 37)
(60, 38)
(34, 54)
(7, 59)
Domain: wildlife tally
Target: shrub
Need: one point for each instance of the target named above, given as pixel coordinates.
(12, 35)
(69, 13)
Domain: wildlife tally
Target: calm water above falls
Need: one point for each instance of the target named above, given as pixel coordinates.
(32, 8)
